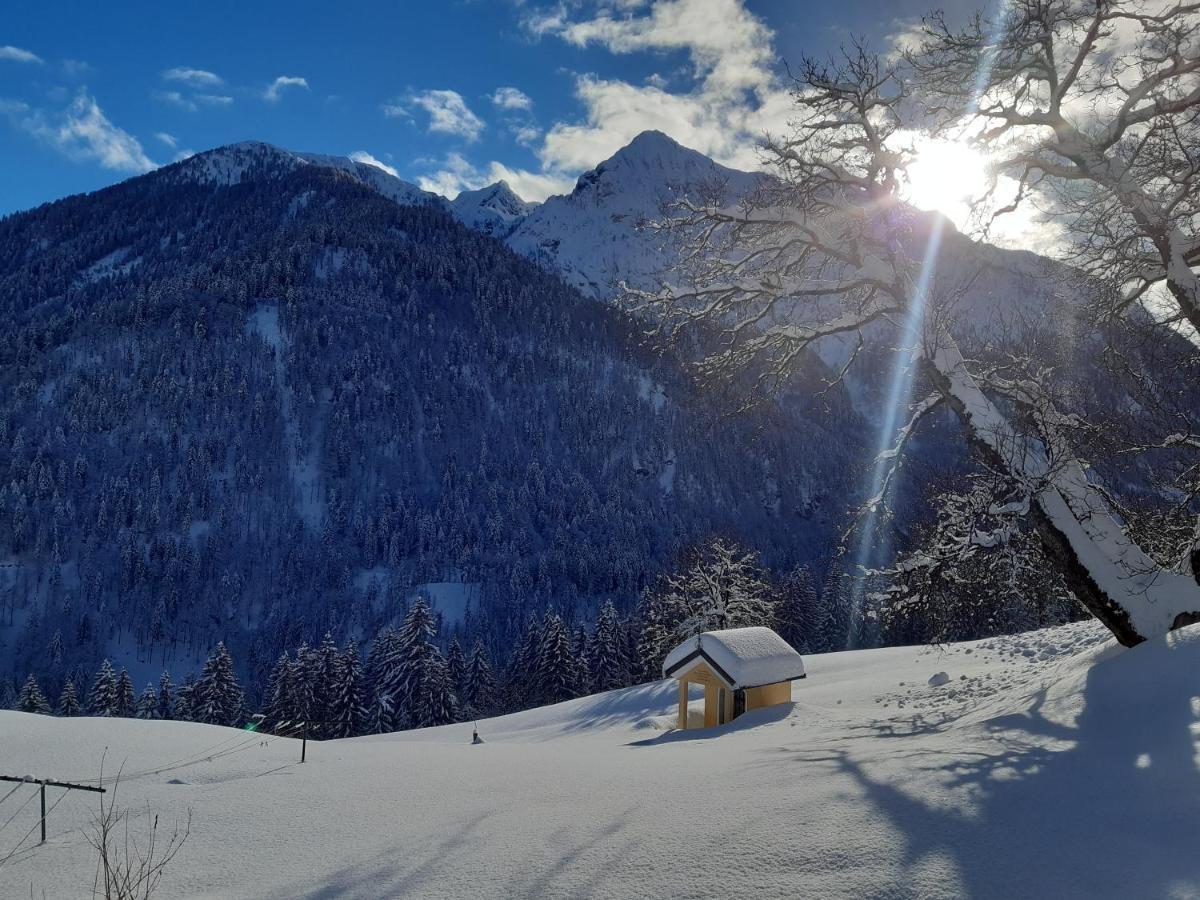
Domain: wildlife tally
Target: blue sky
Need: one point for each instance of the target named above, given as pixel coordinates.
(451, 94)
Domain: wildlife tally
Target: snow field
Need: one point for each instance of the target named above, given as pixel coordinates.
(1051, 764)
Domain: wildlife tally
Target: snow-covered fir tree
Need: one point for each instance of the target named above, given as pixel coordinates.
(31, 699)
(835, 617)
(456, 663)
(608, 658)
(321, 673)
(520, 688)
(216, 698)
(280, 706)
(347, 703)
(383, 664)
(418, 684)
(166, 697)
(184, 706)
(432, 701)
(102, 700)
(147, 704)
(579, 652)
(68, 700)
(480, 695)
(556, 670)
(653, 637)
(126, 699)
(303, 698)
(798, 613)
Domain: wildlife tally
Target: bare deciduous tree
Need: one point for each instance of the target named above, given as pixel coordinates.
(826, 248)
(129, 867)
(1090, 110)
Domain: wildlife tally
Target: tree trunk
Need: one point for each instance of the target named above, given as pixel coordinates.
(1115, 579)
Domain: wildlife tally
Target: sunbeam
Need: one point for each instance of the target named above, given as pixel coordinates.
(962, 167)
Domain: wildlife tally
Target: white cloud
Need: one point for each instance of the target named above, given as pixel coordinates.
(193, 77)
(214, 99)
(526, 135)
(362, 156)
(511, 98)
(730, 94)
(730, 48)
(457, 174)
(448, 113)
(175, 98)
(727, 97)
(169, 139)
(272, 93)
(81, 132)
(17, 54)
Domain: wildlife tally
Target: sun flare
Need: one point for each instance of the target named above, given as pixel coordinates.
(945, 177)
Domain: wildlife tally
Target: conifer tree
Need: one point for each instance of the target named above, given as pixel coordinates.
(166, 699)
(304, 667)
(521, 675)
(31, 699)
(555, 673)
(798, 613)
(413, 672)
(147, 705)
(323, 675)
(68, 700)
(834, 615)
(456, 663)
(383, 666)
(607, 657)
(126, 701)
(184, 707)
(217, 697)
(653, 636)
(579, 651)
(432, 701)
(480, 697)
(281, 693)
(347, 710)
(102, 701)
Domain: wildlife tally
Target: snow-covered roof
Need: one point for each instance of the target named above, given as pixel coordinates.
(744, 657)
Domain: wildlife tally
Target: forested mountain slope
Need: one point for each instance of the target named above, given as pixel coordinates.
(249, 399)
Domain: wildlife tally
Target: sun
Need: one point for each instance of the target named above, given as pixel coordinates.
(945, 177)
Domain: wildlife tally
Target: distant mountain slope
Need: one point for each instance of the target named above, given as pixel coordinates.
(248, 397)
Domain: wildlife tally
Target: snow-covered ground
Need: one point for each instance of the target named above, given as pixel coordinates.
(1052, 764)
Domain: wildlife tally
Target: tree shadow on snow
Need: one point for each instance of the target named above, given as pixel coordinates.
(1109, 807)
(395, 872)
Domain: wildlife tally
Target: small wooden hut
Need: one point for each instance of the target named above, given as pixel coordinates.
(741, 669)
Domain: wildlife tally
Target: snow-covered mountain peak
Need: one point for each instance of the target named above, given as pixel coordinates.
(495, 209)
(653, 149)
(232, 163)
(591, 235)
